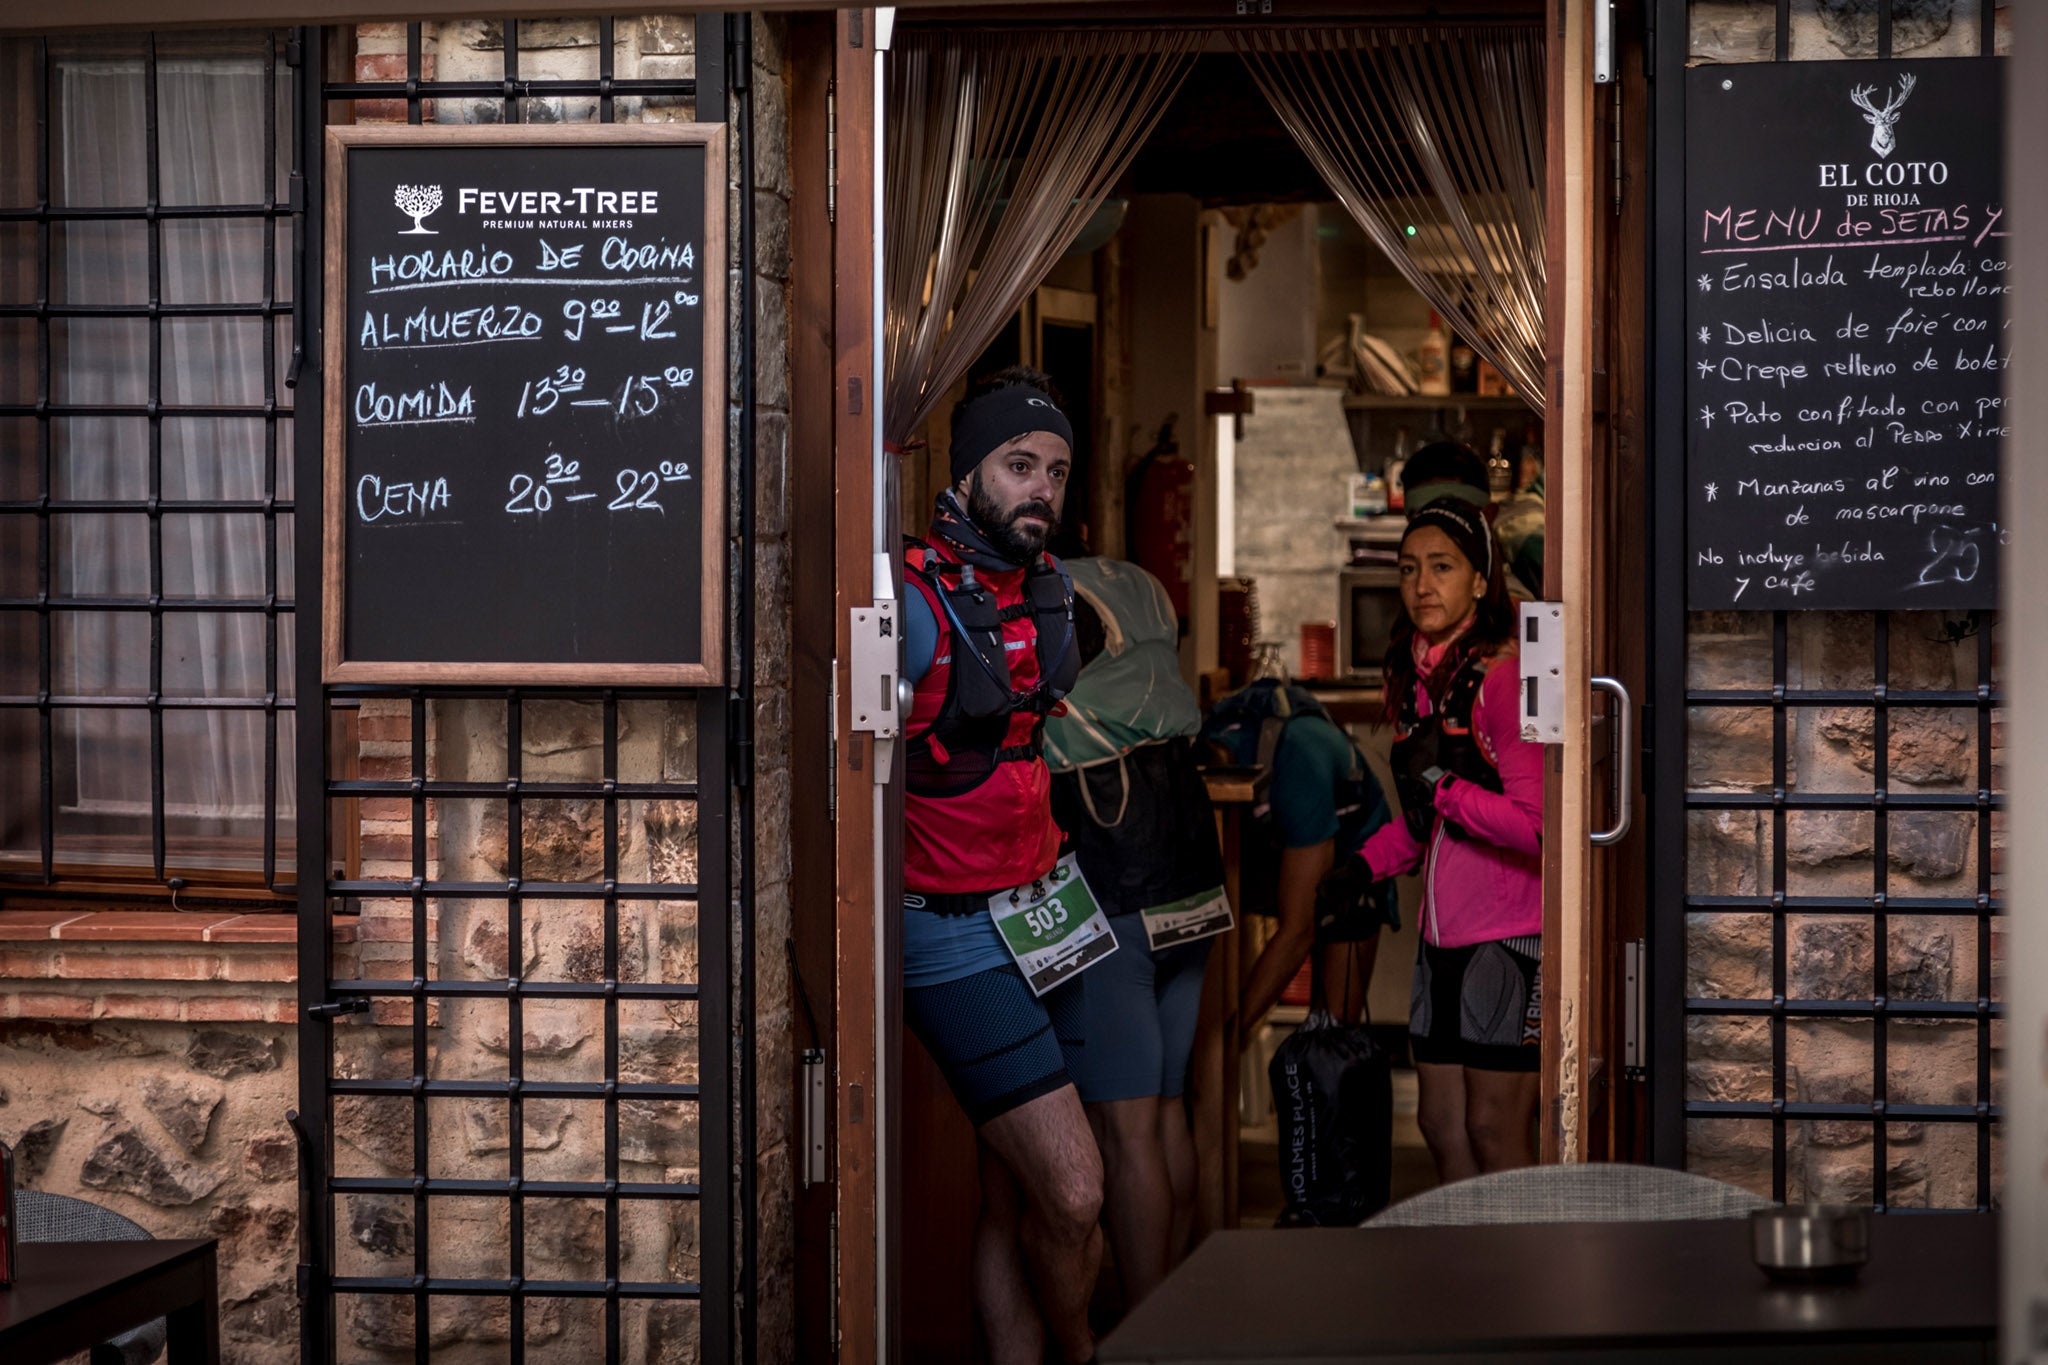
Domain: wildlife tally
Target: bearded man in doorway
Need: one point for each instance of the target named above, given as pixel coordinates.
(990, 650)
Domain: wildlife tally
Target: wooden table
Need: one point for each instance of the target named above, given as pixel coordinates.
(1529, 1292)
(1213, 1063)
(71, 1296)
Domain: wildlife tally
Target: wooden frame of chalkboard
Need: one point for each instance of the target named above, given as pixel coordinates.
(657, 619)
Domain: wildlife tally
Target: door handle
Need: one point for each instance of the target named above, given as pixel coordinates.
(1624, 761)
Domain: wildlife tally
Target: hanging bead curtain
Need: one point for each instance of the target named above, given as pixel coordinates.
(1000, 146)
(1432, 139)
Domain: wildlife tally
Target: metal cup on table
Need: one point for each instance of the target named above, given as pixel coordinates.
(1811, 1242)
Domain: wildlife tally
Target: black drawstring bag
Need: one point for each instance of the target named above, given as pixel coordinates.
(1333, 1090)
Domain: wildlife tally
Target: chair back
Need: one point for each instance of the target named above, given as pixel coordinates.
(41, 1217)
(1587, 1193)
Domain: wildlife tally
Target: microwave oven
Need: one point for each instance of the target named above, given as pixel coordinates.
(1368, 607)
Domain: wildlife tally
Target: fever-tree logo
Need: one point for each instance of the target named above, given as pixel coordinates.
(1882, 121)
(416, 202)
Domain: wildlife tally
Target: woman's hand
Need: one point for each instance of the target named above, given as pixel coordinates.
(1344, 888)
(1418, 777)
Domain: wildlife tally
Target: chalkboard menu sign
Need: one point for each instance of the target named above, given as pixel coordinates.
(525, 404)
(1846, 339)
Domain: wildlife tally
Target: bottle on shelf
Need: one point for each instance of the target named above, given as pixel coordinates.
(1464, 363)
(1432, 360)
(1529, 463)
(1500, 474)
(1396, 463)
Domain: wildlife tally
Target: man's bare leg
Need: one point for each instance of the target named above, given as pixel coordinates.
(1177, 1140)
(1051, 1154)
(1003, 1300)
(1137, 1193)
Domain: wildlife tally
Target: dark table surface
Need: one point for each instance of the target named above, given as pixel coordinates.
(1659, 1290)
(71, 1295)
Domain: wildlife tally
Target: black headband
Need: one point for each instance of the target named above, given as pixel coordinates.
(999, 416)
(1464, 524)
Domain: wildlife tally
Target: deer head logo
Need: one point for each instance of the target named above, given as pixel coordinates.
(416, 202)
(1882, 120)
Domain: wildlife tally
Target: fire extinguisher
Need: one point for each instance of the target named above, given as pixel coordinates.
(1159, 518)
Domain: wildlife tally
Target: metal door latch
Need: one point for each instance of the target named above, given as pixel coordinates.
(1540, 637)
(333, 1009)
(877, 663)
(875, 685)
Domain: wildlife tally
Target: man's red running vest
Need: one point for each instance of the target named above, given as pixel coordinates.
(978, 808)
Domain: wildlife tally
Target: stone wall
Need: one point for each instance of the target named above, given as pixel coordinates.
(1832, 749)
(146, 1064)
(154, 1079)
(1828, 853)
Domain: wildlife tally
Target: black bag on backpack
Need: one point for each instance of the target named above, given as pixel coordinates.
(1333, 1091)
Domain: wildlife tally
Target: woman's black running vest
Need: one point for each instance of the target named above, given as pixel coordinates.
(1458, 751)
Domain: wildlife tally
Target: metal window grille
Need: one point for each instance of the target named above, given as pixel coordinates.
(426, 1282)
(1676, 1106)
(45, 841)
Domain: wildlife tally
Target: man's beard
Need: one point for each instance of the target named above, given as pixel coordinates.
(1018, 544)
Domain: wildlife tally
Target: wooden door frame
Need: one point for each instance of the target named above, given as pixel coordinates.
(862, 1032)
(1568, 981)
(1596, 457)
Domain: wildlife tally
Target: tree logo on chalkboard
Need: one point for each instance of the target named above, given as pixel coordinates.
(1882, 121)
(416, 202)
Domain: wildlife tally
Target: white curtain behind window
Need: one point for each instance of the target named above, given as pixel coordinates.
(211, 151)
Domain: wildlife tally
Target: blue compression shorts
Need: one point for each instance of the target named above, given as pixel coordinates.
(998, 1046)
(1139, 1009)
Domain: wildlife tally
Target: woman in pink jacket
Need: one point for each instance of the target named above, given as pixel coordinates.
(1472, 805)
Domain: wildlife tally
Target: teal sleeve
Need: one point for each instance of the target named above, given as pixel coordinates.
(1311, 763)
(921, 636)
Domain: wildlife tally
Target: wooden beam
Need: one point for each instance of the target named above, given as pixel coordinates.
(76, 15)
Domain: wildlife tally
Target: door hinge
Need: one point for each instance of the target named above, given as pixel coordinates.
(817, 1106)
(739, 738)
(1616, 150)
(1635, 1061)
(831, 154)
(832, 744)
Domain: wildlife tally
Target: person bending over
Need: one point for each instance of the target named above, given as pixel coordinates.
(990, 651)
(1319, 801)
